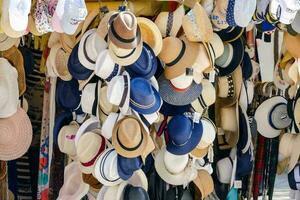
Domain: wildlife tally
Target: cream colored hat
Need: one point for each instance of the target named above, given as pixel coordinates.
(7, 42)
(289, 148)
(66, 139)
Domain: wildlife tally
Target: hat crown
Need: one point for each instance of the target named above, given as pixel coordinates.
(129, 132)
(141, 92)
(172, 47)
(129, 164)
(180, 129)
(88, 146)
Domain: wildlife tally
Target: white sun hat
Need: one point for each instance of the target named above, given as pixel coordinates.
(18, 14)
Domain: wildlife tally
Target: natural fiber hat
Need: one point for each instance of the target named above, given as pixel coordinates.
(66, 139)
(230, 34)
(184, 134)
(103, 26)
(178, 55)
(169, 23)
(73, 187)
(127, 166)
(9, 93)
(290, 73)
(214, 48)
(284, 11)
(130, 139)
(145, 66)
(61, 64)
(204, 183)
(118, 92)
(87, 126)
(124, 31)
(196, 25)
(150, 34)
(173, 169)
(7, 42)
(91, 44)
(218, 15)
(243, 12)
(90, 98)
(292, 44)
(18, 14)
(231, 58)
(271, 116)
(15, 135)
(89, 148)
(174, 95)
(294, 178)
(144, 98)
(224, 169)
(5, 21)
(68, 95)
(288, 148)
(105, 170)
(206, 98)
(15, 57)
(105, 67)
(105, 108)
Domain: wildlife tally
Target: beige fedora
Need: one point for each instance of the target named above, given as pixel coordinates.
(204, 183)
(196, 25)
(150, 34)
(66, 139)
(54, 38)
(169, 23)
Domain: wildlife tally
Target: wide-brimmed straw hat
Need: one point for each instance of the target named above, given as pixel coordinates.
(196, 25)
(15, 135)
(130, 139)
(102, 29)
(66, 139)
(169, 23)
(289, 148)
(204, 183)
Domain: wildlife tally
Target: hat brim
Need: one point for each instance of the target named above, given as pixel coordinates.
(172, 110)
(199, 152)
(230, 34)
(169, 95)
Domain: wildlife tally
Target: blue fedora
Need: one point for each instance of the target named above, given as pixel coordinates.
(127, 166)
(184, 135)
(172, 110)
(61, 120)
(144, 98)
(244, 164)
(76, 69)
(68, 95)
(146, 64)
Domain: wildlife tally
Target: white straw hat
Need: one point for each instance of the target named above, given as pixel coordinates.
(66, 139)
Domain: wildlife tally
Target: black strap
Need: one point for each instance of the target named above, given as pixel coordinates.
(126, 56)
(130, 148)
(181, 53)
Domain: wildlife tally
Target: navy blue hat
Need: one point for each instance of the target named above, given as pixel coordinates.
(68, 95)
(244, 164)
(230, 34)
(131, 192)
(61, 120)
(172, 110)
(149, 164)
(230, 13)
(127, 166)
(144, 98)
(184, 135)
(145, 66)
(247, 67)
(76, 69)
(244, 130)
(28, 60)
(294, 178)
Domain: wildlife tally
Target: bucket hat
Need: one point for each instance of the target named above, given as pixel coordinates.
(196, 25)
(204, 183)
(130, 139)
(89, 148)
(105, 170)
(9, 91)
(169, 23)
(144, 98)
(66, 139)
(18, 14)
(7, 42)
(68, 95)
(150, 34)
(89, 125)
(145, 66)
(124, 31)
(127, 166)
(288, 148)
(184, 135)
(271, 116)
(16, 135)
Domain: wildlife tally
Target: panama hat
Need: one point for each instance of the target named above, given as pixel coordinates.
(62, 119)
(68, 42)
(124, 31)
(90, 98)
(288, 148)
(271, 116)
(105, 107)
(290, 73)
(178, 54)
(184, 134)
(73, 187)
(294, 178)
(291, 44)
(118, 91)
(206, 98)
(173, 169)
(214, 48)
(105, 67)
(105, 170)
(130, 139)
(127, 166)
(9, 92)
(89, 147)
(196, 25)
(218, 15)
(230, 34)
(18, 14)
(89, 125)
(150, 34)
(102, 29)
(169, 23)
(204, 183)
(66, 137)
(7, 42)
(144, 98)
(16, 135)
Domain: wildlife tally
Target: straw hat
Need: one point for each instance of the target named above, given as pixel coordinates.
(68, 42)
(178, 55)
(214, 48)
(204, 183)
(73, 187)
(89, 125)
(89, 148)
(90, 98)
(7, 42)
(130, 139)
(15, 57)
(105, 108)
(290, 73)
(292, 44)
(66, 137)
(15, 135)
(18, 14)
(103, 26)
(289, 148)
(196, 25)
(150, 34)
(54, 38)
(8, 89)
(169, 23)
(109, 123)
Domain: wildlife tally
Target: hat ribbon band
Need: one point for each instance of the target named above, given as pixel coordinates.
(130, 148)
(144, 120)
(101, 149)
(102, 164)
(122, 102)
(169, 23)
(142, 106)
(95, 103)
(126, 56)
(112, 28)
(85, 51)
(270, 116)
(181, 53)
(202, 102)
(211, 49)
(113, 73)
(182, 144)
